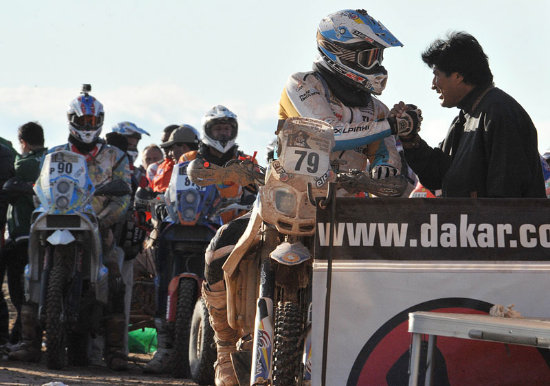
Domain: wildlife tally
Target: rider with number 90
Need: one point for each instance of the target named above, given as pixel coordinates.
(105, 163)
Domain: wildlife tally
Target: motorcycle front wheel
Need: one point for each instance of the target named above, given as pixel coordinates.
(187, 295)
(289, 333)
(56, 331)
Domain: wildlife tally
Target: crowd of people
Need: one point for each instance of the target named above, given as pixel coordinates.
(490, 150)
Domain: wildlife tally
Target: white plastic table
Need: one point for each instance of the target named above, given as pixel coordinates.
(520, 331)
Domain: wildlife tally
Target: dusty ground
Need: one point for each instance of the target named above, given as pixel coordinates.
(20, 373)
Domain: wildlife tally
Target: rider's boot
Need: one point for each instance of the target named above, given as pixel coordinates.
(225, 336)
(30, 348)
(115, 355)
(163, 360)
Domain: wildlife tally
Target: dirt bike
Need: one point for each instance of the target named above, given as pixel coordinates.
(65, 275)
(190, 224)
(268, 273)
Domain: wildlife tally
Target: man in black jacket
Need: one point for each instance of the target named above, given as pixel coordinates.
(491, 147)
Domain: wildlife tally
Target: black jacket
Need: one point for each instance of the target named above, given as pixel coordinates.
(7, 158)
(490, 151)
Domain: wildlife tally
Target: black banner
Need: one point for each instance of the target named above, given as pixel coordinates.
(436, 229)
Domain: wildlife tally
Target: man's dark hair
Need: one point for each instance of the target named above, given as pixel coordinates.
(32, 133)
(118, 140)
(461, 53)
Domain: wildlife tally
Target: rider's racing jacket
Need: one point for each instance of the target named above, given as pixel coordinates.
(362, 134)
(105, 163)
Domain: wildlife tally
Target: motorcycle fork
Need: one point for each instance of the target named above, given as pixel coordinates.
(262, 349)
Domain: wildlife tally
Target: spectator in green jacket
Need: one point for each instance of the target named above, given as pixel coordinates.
(27, 169)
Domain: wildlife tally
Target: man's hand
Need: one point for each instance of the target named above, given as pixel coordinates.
(379, 172)
(405, 120)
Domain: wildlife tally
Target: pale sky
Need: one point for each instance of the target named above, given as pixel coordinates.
(161, 62)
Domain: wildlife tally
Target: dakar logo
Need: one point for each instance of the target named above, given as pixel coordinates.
(299, 140)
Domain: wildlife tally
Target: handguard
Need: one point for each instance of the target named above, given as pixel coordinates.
(356, 181)
(241, 172)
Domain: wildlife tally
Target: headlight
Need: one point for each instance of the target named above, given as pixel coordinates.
(62, 202)
(285, 201)
(190, 197)
(189, 214)
(63, 187)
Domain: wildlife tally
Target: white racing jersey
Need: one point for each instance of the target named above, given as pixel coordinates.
(362, 134)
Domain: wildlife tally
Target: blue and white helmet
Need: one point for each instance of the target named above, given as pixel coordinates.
(351, 44)
(85, 117)
(129, 129)
(219, 114)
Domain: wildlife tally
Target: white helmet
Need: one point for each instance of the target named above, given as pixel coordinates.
(219, 114)
(85, 117)
(351, 44)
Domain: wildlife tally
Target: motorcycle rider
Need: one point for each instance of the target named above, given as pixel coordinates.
(219, 133)
(220, 128)
(105, 163)
(183, 139)
(341, 90)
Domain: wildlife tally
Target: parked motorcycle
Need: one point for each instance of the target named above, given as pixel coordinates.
(268, 273)
(65, 275)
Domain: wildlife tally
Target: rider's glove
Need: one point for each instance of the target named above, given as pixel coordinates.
(407, 123)
(380, 172)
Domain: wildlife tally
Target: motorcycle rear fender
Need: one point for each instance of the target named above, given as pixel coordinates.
(36, 260)
(173, 293)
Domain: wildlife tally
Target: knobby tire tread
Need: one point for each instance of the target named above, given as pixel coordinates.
(287, 351)
(187, 295)
(56, 334)
(202, 348)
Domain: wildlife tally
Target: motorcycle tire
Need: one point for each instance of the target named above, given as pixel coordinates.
(287, 351)
(187, 296)
(56, 331)
(202, 347)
